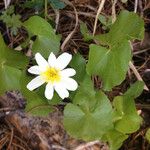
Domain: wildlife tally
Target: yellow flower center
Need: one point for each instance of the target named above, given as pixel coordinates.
(51, 75)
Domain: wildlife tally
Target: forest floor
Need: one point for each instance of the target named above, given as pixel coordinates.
(22, 131)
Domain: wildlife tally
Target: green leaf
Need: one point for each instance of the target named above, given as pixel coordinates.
(115, 139)
(10, 10)
(9, 78)
(46, 39)
(88, 120)
(148, 135)
(11, 57)
(128, 26)
(85, 32)
(111, 62)
(41, 110)
(85, 93)
(11, 20)
(36, 4)
(36, 104)
(57, 4)
(78, 60)
(102, 19)
(54, 101)
(10, 60)
(126, 118)
(135, 90)
(15, 24)
(106, 21)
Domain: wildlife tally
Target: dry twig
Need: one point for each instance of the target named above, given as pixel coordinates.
(7, 3)
(114, 10)
(136, 73)
(135, 6)
(101, 5)
(76, 24)
(57, 18)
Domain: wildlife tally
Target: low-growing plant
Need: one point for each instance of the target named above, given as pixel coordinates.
(39, 4)
(11, 20)
(90, 115)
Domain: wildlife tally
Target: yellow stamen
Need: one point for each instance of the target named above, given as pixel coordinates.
(51, 75)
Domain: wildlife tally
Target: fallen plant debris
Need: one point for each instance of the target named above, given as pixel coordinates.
(23, 131)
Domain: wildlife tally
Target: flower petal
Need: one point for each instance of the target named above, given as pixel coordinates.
(68, 72)
(49, 91)
(35, 83)
(52, 60)
(70, 84)
(63, 60)
(43, 64)
(34, 70)
(61, 90)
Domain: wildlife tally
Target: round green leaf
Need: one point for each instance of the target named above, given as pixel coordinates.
(115, 139)
(135, 90)
(128, 121)
(77, 61)
(11, 57)
(36, 105)
(46, 39)
(9, 78)
(111, 61)
(88, 123)
(110, 64)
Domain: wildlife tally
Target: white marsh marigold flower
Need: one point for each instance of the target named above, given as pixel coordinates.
(54, 74)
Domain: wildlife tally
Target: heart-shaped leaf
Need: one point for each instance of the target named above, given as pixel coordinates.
(9, 78)
(135, 90)
(78, 63)
(36, 105)
(115, 139)
(46, 39)
(110, 64)
(90, 117)
(127, 119)
(10, 61)
(111, 61)
(11, 57)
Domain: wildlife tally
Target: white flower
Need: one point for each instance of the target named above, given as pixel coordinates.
(54, 74)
